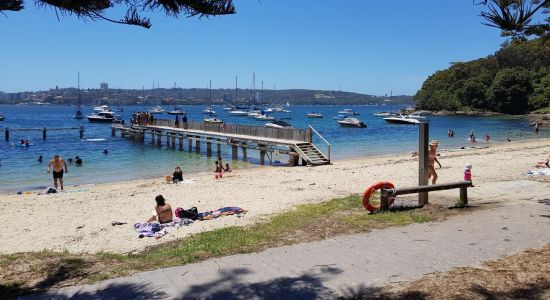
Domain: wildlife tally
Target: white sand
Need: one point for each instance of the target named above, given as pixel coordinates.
(80, 221)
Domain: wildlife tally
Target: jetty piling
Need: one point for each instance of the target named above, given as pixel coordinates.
(423, 137)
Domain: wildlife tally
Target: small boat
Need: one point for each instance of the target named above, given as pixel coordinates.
(278, 124)
(102, 108)
(382, 114)
(213, 120)
(177, 111)
(254, 114)
(286, 111)
(348, 112)
(238, 113)
(351, 122)
(156, 110)
(287, 104)
(264, 117)
(416, 115)
(227, 108)
(19, 144)
(78, 114)
(401, 120)
(2, 117)
(340, 117)
(314, 115)
(102, 117)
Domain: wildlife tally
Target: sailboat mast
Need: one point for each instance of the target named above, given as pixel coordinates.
(79, 90)
(210, 87)
(236, 103)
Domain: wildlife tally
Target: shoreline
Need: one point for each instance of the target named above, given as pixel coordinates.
(251, 166)
(79, 221)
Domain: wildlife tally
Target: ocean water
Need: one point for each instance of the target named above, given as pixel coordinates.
(126, 160)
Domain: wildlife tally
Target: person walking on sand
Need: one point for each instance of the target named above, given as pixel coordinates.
(432, 159)
(57, 163)
(487, 137)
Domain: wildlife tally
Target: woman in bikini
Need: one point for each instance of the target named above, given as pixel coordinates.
(162, 213)
(432, 159)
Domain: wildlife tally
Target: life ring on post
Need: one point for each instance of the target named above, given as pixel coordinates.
(368, 192)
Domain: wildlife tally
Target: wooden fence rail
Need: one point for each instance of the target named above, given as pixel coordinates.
(291, 134)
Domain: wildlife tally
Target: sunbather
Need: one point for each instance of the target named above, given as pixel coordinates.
(543, 164)
(163, 211)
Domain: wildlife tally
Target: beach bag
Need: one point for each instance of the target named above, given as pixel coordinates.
(191, 213)
(178, 212)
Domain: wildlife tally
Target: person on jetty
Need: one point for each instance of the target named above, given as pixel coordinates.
(432, 159)
(78, 161)
(177, 176)
(163, 211)
(543, 164)
(57, 163)
(219, 170)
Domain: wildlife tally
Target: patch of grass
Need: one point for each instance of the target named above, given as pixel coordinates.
(308, 222)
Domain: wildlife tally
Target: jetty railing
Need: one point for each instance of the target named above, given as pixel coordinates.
(290, 134)
(324, 140)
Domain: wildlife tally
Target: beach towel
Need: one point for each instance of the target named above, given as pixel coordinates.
(539, 172)
(224, 211)
(157, 230)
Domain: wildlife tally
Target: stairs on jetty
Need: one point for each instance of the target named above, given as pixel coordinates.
(311, 154)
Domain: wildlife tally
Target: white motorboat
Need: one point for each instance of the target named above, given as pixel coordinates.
(264, 118)
(314, 115)
(227, 108)
(237, 112)
(2, 117)
(102, 108)
(382, 114)
(340, 117)
(417, 116)
(176, 111)
(286, 111)
(348, 112)
(278, 124)
(102, 117)
(213, 120)
(351, 122)
(401, 120)
(156, 110)
(254, 114)
(209, 111)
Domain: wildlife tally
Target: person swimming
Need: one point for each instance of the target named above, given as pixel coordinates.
(40, 158)
(78, 161)
(105, 151)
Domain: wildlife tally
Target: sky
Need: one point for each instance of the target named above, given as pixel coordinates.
(364, 46)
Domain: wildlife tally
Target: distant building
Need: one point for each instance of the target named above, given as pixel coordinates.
(104, 86)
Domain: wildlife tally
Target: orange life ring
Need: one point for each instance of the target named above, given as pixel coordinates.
(372, 188)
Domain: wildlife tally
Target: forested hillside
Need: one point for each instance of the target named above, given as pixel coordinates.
(515, 80)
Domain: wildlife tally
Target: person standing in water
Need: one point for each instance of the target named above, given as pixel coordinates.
(432, 159)
(57, 163)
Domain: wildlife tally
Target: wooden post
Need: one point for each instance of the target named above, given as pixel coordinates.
(152, 137)
(180, 137)
(234, 151)
(7, 134)
(463, 196)
(262, 154)
(168, 139)
(190, 143)
(113, 131)
(159, 138)
(208, 147)
(81, 131)
(384, 201)
(44, 133)
(245, 148)
(219, 147)
(173, 140)
(198, 144)
(423, 136)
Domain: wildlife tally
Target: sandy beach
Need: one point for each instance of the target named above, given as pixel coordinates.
(79, 220)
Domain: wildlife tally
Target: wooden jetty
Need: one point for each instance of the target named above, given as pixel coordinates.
(297, 143)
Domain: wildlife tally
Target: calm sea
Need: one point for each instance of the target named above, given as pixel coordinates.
(126, 160)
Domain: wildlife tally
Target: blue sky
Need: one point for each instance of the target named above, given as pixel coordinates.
(364, 46)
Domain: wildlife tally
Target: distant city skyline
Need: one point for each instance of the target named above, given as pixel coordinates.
(363, 46)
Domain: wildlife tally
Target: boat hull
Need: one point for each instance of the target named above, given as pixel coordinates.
(397, 121)
(100, 120)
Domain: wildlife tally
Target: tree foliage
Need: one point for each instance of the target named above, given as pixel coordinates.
(517, 18)
(135, 9)
(514, 80)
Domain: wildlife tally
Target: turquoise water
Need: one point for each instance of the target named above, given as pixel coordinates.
(126, 160)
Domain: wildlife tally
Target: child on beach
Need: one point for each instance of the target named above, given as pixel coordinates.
(218, 171)
(227, 168)
(468, 172)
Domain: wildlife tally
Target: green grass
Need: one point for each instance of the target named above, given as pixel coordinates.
(303, 223)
